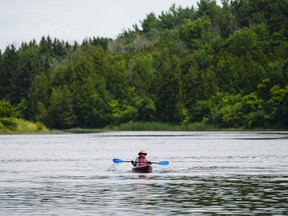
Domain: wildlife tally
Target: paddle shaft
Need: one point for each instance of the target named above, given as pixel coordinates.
(163, 163)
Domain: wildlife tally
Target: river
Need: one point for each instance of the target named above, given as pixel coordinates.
(210, 173)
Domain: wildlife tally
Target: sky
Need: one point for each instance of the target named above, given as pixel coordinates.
(74, 20)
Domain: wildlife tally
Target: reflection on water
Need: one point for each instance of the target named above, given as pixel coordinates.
(130, 194)
(209, 174)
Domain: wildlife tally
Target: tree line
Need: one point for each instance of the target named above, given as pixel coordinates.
(225, 65)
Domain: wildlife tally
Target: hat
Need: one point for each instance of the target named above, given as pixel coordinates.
(142, 152)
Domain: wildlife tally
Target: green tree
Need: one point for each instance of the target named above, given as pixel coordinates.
(9, 73)
(279, 106)
(224, 110)
(209, 8)
(29, 66)
(84, 74)
(60, 112)
(141, 72)
(146, 109)
(7, 110)
(242, 11)
(168, 18)
(228, 72)
(38, 97)
(150, 23)
(167, 88)
(226, 20)
(122, 113)
(196, 33)
(117, 81)
(253, 111)
(242, 42)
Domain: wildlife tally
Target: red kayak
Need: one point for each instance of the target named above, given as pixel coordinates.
(142, 169)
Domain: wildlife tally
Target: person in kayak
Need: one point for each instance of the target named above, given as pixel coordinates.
(141, 159)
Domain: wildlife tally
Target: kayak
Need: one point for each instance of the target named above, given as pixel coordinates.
(142, 169)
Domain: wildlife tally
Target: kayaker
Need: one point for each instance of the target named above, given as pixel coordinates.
(141, 159)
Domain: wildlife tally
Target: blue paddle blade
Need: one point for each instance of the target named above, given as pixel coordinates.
(116, 160)
(164, 163)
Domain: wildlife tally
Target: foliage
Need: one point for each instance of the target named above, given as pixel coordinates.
(7, 110)
(14, 125)
(10, 123)
(159, 126)
(224, 66)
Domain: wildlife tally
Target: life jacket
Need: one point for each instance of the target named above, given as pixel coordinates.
(141, 161)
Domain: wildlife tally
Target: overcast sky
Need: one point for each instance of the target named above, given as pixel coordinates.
(74, 20)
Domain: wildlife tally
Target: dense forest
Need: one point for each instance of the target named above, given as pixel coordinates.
(218, 64)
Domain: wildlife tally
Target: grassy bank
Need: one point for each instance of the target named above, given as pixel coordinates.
(19, 126)
(82, 130)
(157, 126)
(15, 125)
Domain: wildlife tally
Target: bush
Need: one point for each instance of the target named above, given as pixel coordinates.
(14, 125)
(7, 110)
(9, 123)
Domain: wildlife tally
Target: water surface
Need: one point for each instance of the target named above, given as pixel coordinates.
(210, 173)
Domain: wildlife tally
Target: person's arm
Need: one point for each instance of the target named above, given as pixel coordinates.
(133, 163)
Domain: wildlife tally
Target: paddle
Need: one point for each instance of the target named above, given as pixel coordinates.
(162, 163)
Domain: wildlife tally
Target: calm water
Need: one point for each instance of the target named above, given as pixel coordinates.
(210, 173)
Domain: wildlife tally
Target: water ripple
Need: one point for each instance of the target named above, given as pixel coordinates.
(75, 176)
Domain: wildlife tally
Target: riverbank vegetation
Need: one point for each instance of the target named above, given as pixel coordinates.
(9, 123)
(158, 126)
(14, 125)
(225, 66)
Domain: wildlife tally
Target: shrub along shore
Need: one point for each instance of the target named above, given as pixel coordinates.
(26, 127)
(158, 126)
(147, 126)
(15, 125)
